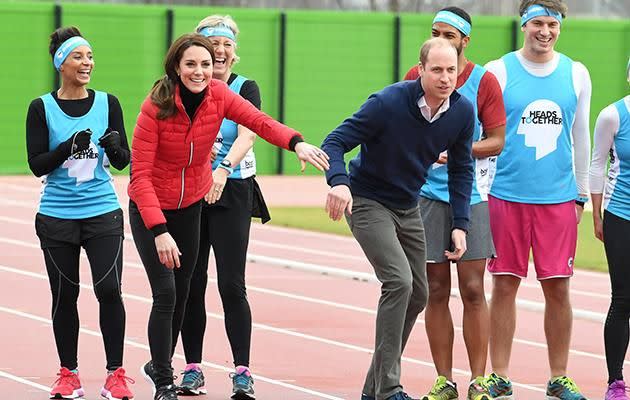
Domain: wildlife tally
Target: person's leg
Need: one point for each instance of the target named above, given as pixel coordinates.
(438, 320)
(162, 283)
(510, 224)
(476, 316)
(62, 265)
(374, 227)
(106, 255)
(616, 329)
(229, 229)
(194, 324)
(558, 323)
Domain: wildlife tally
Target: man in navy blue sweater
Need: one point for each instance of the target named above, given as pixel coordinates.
(401, 130)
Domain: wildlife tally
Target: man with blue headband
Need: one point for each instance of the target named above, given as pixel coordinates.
(484, 92)
(539, 189)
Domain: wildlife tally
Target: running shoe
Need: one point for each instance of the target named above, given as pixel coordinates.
(67, 386)
(617, 391)
(193, 382)
(367, 397)
(499, 388)
(563, 388)
(442, 389)
(242, 384)
(149, 374)
(478, 390)
(168, 392)
(400, 396)
(115, 387)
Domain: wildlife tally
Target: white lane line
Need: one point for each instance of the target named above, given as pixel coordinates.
(176, 355)
(339, 305)
(265, 328)
(23, 381)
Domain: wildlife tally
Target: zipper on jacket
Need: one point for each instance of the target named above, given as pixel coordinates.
(181, 198)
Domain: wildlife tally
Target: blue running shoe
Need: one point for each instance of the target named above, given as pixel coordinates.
(563, 388)
(193, 382)
(367, 397)
(499, 388)
(242, 385)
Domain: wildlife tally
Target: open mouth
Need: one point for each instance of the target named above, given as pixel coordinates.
(85, 73)
(220, 61)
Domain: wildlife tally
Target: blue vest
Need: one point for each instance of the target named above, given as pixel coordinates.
(82, 186)
(617, 198)
(436, 187)
(226, 137)
(536, 164)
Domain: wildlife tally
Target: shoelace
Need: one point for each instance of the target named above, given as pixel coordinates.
(437, 386)
(190, 376)
(122, 379)
(493, 380)
(568, 383)
(240, 379)
(64, 374)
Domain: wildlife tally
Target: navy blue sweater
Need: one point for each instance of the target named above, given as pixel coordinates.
(398, 145)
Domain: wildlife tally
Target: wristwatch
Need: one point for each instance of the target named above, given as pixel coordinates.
(227, 165)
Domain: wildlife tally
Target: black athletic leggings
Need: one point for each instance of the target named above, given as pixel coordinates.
(168, 286)
(616, 329)
(62, 263)
(225, 229)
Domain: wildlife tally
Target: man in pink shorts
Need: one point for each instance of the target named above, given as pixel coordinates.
(539, 189)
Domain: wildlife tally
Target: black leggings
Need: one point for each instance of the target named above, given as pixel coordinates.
(168, 286)
(226, 230)
(62, 263)
(616, 329)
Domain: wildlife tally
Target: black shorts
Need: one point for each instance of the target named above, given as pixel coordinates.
(61, 232)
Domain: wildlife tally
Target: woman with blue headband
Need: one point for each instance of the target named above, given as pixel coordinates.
(612, 139)
(73, 135)
(225, 221)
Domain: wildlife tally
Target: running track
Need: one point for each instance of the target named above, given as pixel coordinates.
(312, 332)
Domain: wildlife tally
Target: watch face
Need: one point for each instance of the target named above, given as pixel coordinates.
(227, 163)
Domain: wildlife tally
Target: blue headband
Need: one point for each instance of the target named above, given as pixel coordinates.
(536, 10)
(453, 20)
(218, 30)
(66, 48)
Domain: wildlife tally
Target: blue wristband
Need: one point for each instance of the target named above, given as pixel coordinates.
(230, 170)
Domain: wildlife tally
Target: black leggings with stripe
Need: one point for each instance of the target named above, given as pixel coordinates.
(105, 256)
(616, 329)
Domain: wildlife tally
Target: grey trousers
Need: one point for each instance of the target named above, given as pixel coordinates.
(394, 243)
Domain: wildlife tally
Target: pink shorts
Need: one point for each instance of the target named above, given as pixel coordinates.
(549, 230)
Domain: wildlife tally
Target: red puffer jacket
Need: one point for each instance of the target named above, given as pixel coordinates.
(170, 158)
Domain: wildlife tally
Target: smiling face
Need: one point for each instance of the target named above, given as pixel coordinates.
(224, 56)
(77, 67)
(541, 34)
(195, 68)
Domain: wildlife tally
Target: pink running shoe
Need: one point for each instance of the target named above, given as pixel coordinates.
(67, 386)
(115, 387)
(617, 391)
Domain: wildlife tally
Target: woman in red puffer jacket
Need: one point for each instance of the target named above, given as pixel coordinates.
(170, 175)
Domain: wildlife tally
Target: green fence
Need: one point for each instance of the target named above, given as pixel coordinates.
(314, 76)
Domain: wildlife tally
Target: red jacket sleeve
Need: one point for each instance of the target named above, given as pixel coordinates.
(143, 149)
(244, 113)
(490, 102)
(412, 74)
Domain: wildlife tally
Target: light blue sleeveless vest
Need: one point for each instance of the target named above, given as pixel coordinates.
(436, 186)
(226, 137)
(618, 184)
(536, 164)
(82, 186)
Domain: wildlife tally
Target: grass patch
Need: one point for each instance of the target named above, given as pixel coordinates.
(590, 251)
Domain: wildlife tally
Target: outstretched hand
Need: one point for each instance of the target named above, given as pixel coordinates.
(313, 155)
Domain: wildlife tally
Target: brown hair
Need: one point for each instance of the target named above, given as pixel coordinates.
(163, 91)
(59, 36)
(555, 5)
(431, 43)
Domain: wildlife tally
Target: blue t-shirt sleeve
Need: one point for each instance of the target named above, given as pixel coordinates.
(460, 171)
(354, 131)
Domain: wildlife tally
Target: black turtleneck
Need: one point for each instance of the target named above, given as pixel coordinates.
(190, 100)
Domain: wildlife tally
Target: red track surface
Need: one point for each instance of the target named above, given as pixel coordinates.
(312, 333)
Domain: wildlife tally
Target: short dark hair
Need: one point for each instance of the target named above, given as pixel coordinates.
(460, 12)
(61, 35)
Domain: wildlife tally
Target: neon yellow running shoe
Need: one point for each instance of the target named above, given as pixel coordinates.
(442, 389)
